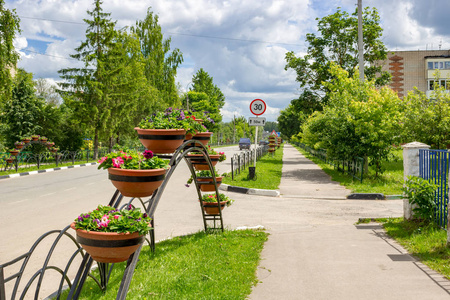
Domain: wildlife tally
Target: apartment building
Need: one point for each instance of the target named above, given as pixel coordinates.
(411, 69)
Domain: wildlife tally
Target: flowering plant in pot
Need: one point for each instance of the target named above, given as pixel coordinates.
(133, 173)
(163, 132)
(35, 137)
(99, 228)
(19, 145)
(205, 180)
(210, 204)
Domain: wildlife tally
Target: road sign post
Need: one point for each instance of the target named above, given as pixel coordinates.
(257, 107)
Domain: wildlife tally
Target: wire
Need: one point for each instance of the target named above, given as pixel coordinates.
(177, 33)
(47, 54)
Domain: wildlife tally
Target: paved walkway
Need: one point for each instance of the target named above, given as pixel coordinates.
(315, 250)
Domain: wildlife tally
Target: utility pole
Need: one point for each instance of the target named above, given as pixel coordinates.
(360, 42)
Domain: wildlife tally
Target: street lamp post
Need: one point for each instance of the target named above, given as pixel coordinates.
(187, 96)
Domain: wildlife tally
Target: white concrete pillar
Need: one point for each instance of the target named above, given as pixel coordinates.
(411, 168)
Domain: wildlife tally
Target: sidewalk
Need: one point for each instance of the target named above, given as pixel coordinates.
(315, 250)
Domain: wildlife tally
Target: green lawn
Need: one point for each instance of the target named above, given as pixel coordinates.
(426, 242)
(268, 173)
(198, 266)
(388, 183)
(42, 167)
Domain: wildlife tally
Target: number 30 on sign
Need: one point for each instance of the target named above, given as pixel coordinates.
(258, 107)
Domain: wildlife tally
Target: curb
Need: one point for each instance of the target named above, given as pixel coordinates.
(46, 170)
(248, 191)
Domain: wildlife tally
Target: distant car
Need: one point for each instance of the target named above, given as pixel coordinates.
(244, 143)
(263, 142)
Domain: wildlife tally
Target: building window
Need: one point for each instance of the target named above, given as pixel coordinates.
(443, 82)
(430, 65)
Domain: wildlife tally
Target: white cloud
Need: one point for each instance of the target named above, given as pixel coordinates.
(241, 44)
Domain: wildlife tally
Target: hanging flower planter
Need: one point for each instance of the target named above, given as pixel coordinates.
(161, 140)
(105, 233)
(10, 160)
(19, 145)
(26, 140)
(35, 137)
(211, 206)
(136, 183)
(207, 183)
(203, 137)
(14, 152)
(200, 163)
(43, 139)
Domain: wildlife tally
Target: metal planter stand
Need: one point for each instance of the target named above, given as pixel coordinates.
(105, 269)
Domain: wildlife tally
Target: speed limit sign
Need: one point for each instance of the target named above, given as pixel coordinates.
(258, 107)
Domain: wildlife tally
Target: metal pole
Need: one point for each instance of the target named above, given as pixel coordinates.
(256, 141)
(360, 42)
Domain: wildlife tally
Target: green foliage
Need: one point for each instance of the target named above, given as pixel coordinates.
(160, 62)
(427, 120)
(428, 243)
(338, 42)
(212, 198)
(168, 119)
(360, 120)
(9, 28)
(132, 160)
(421, 192)
(270, 126)
(109, 219)
(197, 266)
(23, 111)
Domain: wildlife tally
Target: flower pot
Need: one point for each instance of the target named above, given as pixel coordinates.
(26, 141)
(136, 183)
(200, 163)
(44, 140)
(161, 140)
(108, 247)
(34, 138)
(18, 146)
(271, 149)
(207, 183)
(10, 160)
(203, 137)
(212, 208)
(14, 152)
(50, 144)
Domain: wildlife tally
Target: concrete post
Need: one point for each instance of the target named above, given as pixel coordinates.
(411, 168)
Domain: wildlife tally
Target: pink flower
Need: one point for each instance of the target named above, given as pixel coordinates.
(148, 154)
(116, 217)
(103, 222)
(117, 162)
(102, 160)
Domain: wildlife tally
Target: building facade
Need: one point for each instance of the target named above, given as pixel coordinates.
(411, 69)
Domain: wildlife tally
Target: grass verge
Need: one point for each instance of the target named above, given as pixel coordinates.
(43, 167)
(198, 266)
(427, 243)
(268, 173)
(388, 183)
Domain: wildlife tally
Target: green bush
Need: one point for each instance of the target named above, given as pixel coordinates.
(420, 192)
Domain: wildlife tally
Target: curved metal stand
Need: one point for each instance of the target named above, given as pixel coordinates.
(105, 269)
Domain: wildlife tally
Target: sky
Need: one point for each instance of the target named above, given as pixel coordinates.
(241, 44)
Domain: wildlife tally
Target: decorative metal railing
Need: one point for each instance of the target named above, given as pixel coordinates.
(434, 166)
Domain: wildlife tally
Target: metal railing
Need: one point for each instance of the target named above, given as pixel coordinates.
(241, 161)
(27, 159)
(354, 167)
(434, 166)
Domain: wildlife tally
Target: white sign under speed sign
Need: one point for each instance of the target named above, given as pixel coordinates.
(258, 107)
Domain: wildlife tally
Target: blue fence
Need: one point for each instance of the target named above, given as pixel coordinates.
(433, 166)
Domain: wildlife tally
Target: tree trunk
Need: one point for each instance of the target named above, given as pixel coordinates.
(96, 144)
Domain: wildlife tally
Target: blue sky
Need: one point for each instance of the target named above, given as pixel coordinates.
(241, 44)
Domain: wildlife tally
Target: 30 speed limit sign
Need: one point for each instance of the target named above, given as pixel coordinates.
(258, 107)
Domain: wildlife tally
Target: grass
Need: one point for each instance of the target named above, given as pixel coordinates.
(388, 183)
(43, 167)
(268, 173)
(198, 266)
(426, 242)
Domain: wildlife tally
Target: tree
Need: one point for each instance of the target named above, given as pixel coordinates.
(9, 28)
(92, 101)
(338, 42)
(23, 110)
(270, 126)
(160, 64)
(360, 120)
(427, 120)
(45, 90)
(202, 82)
